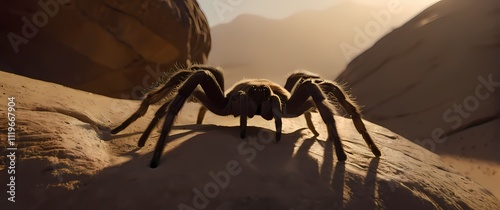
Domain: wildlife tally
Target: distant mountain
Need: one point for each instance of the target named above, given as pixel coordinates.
(436, 81)
(252, 45)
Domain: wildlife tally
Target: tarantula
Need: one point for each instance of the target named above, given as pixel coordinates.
(303, 92)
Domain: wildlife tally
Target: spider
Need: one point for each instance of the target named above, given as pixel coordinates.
(303, 93)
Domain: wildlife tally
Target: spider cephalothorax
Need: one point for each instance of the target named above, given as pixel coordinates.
(303, 92)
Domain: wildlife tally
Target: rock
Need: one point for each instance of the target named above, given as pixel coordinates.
(110, 47)
(66, 159)
(431, 81)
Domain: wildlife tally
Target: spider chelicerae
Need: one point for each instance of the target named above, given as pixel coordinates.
(303, 93)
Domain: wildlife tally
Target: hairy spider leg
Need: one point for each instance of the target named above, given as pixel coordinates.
(154, 97)
(213, 92)
(220, 80)
(201, 114)
(168, 88)
(351, 109)
(243, 100)
(291, 82)
(277, 115)
(300, 95)
(159, 114)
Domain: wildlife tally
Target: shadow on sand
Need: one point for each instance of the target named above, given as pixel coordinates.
(272, 175)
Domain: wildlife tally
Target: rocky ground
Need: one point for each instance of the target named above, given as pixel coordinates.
(67, 159)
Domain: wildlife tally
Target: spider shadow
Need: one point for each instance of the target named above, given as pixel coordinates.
(367, 190)
(338, 182)
(106, 135)
(371, 178)
(234, 131)
(152, 138)
(186, 165)
(330, 171)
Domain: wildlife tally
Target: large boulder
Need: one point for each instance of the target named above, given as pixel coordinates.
(111, 47)
(66, 159)
(436, 81)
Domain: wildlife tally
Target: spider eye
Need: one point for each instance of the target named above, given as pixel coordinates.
(267, 91)
(252, 90)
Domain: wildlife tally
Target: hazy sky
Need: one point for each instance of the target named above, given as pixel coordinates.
(222, 11)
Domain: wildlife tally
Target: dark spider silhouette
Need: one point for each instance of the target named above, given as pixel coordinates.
(303, 92)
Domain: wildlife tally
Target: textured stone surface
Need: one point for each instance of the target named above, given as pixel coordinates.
(428, 81)
(102, 46)
(67, 159)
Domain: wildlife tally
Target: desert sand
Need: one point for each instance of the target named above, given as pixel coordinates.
(67, 159)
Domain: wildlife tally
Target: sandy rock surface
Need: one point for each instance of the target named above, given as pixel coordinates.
(436, 81)
(66, 159)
